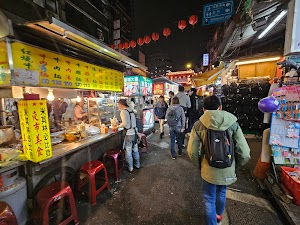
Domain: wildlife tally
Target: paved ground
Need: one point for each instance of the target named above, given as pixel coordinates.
(166, 191)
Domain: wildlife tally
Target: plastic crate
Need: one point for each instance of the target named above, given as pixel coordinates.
(290, 183)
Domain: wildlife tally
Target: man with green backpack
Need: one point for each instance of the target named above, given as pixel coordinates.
(217, 146)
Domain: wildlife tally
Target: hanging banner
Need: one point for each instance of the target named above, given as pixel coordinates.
(37, 67)
(4, 66)
(137, 85)
(146, 86)
(35, 130)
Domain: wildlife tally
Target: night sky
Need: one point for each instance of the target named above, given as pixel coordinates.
(183, 47)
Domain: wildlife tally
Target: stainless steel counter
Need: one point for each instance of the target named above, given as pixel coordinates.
(65, 148)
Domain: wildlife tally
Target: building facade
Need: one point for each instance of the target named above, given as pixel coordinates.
(159, 64)
(93, 17)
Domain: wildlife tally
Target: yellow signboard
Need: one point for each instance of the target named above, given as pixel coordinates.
(37, 67)
(4, 66)
(35, 129)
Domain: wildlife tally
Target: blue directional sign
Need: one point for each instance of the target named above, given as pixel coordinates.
(217, 12)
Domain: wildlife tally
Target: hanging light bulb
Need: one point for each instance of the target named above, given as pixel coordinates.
(50, 95)
(78, 99)
(112, 97)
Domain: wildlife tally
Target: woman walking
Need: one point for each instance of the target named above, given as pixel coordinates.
(160, 113)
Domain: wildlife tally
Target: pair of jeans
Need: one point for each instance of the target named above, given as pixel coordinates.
(192, 120)
(175, 132)
(131, 152)
(214, 200)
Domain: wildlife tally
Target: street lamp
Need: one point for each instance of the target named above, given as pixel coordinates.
(188, 65)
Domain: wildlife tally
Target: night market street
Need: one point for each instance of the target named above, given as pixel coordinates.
(167, 191)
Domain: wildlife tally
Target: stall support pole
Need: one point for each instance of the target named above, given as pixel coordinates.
(29, 182)
(3, 113)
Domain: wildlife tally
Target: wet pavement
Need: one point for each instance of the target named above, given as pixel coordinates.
(166, 191)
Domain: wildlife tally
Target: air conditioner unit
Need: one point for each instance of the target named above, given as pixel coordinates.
(259, 24)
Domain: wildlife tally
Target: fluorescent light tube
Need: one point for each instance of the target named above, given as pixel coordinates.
(274, 22)
(258, 60)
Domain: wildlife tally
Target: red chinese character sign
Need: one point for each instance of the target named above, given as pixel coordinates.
(35, 129)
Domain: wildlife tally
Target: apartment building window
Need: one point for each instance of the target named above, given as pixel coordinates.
(40, 2)
(51, 5)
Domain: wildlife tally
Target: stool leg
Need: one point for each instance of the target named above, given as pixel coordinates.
(93, 189)
(106, 179)
(116, 168)
(146, 143)
(73, 209)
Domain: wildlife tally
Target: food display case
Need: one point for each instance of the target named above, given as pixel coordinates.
(101, 110)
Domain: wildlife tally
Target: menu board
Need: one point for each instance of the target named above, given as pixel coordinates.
(131, 86)
(146, 85)
(35, 130)
(158, 89)
(37, 67)
(4, 66)
(137, 85)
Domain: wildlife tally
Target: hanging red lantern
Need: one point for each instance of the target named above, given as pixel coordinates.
(155, 36)
(120, 46)
(182, 25)
(126, 45)
(166, 31)
(112, 46)
(132, 44)
(147, 39)
(140, 41)
(193, 20)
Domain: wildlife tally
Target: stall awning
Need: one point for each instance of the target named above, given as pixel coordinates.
(198, 83)
(69, 35)
(208, 77)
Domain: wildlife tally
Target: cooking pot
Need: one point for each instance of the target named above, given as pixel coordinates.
(7, 135)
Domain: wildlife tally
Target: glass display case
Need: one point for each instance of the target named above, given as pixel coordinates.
(101, 109)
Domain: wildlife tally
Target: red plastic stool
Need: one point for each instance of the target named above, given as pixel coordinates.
(89, 171)
(47, 198)
(116, 157)
(143, 138)
(7, 216)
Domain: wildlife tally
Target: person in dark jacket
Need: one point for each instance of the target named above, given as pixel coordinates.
(160, 113)
(196, 109)
(171, 95)
(177, 129)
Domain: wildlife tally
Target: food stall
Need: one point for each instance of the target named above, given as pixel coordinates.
(36, 75)
(140, 88)
(162, 86)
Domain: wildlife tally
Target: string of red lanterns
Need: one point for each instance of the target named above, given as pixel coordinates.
(193, 19)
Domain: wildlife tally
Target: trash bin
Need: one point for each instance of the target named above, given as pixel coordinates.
(16, 196)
